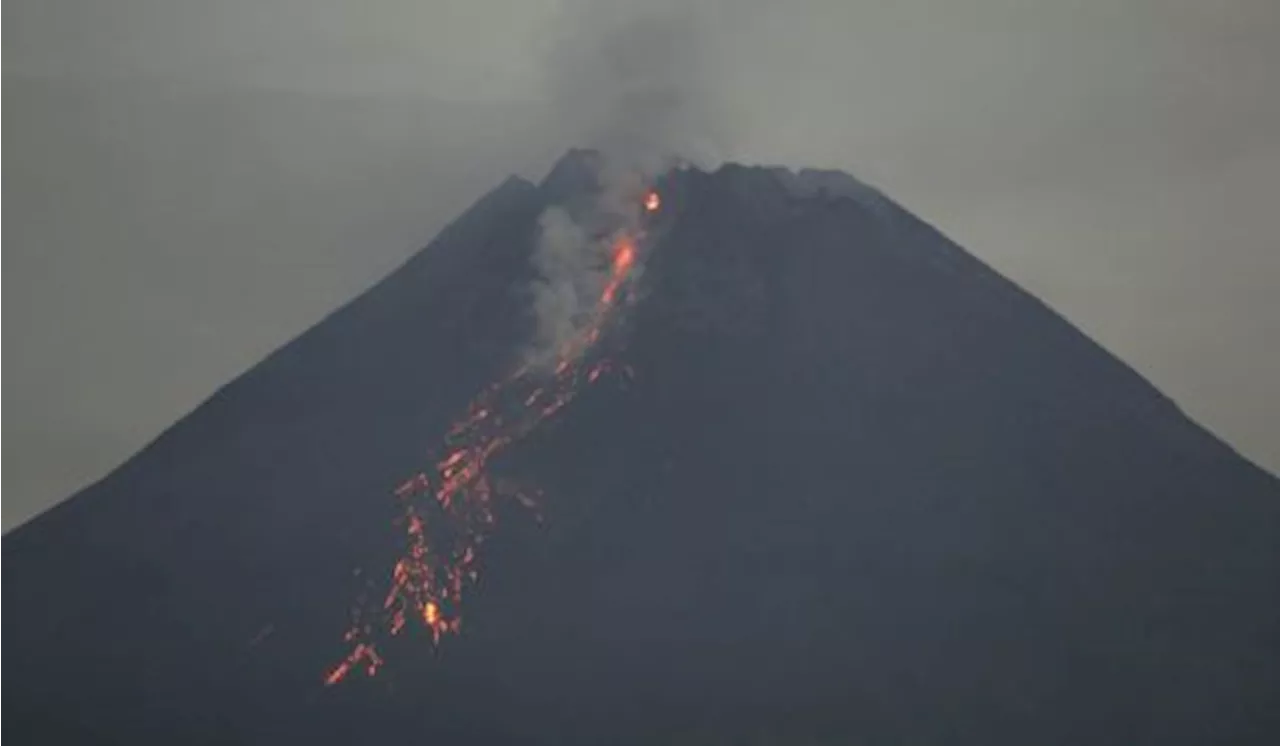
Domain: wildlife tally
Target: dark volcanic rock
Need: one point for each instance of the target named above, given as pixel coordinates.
(863, 489)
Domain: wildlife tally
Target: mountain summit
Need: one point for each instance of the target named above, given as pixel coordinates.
(789, 466)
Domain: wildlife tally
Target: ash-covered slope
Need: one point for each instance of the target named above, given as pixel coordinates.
(861, 489)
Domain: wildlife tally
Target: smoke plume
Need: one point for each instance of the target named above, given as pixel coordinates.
(633, 86)
(636, 82)
(562, 290)
(574, 254)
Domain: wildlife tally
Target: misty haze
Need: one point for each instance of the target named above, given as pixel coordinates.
(470, 372)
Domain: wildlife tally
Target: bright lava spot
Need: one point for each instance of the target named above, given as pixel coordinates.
(652, 202)
(624, 255)
(447, 513)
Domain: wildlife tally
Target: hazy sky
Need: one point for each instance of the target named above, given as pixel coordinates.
(189, 183)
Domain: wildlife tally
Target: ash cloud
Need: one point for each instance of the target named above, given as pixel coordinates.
(562, 290)
(631, 85)
(574, 254)
(636, 83)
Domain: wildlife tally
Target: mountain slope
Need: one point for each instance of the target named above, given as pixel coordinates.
(861, 488)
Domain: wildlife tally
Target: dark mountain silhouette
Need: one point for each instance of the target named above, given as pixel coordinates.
(862, 489)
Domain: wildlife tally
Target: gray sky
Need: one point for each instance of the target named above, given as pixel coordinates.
(189, 184)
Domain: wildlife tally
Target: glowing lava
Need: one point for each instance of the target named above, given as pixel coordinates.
(446, 514)
(652, 202)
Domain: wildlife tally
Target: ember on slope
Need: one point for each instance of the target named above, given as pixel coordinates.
(447, 513)
(652, 201)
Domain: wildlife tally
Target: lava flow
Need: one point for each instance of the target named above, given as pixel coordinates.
(447, 513)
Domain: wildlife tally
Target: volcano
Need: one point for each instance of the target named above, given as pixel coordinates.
(808, 473)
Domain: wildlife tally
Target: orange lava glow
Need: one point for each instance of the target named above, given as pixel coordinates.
(447, 512)
(652, 202)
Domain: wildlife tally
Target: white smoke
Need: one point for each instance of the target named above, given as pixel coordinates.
(574, 254)
(631, 81)
(562, 292)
